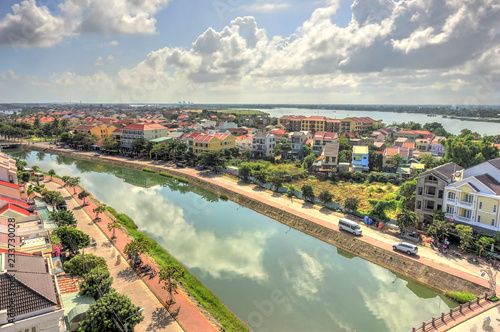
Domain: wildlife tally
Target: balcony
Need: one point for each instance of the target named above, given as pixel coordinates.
(464, 219)
(431, 195)
(465, 203)
(431, 181)
(428, 210)
(451, 200)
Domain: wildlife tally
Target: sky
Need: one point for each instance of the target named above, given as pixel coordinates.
(251, 51)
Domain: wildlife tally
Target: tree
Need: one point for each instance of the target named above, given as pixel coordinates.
(71, 238)
(135, 248)
(96, 283)
(309, 160)
(427, 159)
(306, 150)
(307, 192)
(325, 197)
(65, 138)
(21, 164)
(290, 192)
(113, 225)
(52, 173)
(244, 171)
(396, 160)
(53, 198)
(212, 159)
(111, 313)
(66, 179)
(485, 243)
(64, 218)
(440, 229)
(83, 195)
(99, 209)
(465, 233)
(75, 265)
(277, 178)
(405, 218)
(85, 140)
(73, 183)
(138, 145)
(282, 149)
(351, 204)
(260, 176)
(169, 276)
(408, 191)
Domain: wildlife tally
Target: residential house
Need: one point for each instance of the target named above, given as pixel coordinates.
(377, 136)
(263, 144)
(244, 142)
(36, 302)
(8, 169)
(330, 156)
(360, 159)
(320, 139)
(100, 131)
(423, 144)
(400, 141)
(205, 123)
(430, 189)
(142, 130)
(380, 146)
(412, 135)
(297, 140)
(389, 153)
(30, 236)
(14, 190)
(227, 125)
(437, 149)
(359, 141)
(213, 142)
(356, 125)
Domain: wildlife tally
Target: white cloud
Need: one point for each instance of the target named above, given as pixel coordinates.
(267, 7)
(10, 75)
(99, 61)
(34, 26)
(113, 43)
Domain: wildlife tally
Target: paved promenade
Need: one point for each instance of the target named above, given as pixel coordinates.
(143, 291)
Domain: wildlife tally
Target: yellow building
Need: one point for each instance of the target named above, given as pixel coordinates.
(475, 200)
(322, 123)
(99, 130)
(213, 142)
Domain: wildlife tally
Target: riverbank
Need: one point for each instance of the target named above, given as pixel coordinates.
(323, 226)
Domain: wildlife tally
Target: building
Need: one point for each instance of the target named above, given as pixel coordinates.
(360, 159)
(430, 189)
(413, 135)
(297, 140)
(322, 123)
(436, 148)
(146, 131)
(244, 142)
(30, 235)
(8, 169)
(213, 142)
(263, 144)
(37, 303)
(100, 131)
(227, 125)
(389, 159)
(330, 156)
(321, 138)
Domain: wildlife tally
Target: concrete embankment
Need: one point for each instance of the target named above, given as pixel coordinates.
(404, 265)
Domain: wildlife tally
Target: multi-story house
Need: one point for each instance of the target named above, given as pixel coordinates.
(413, 135)
(330, 156)
(389, 153)
(321, 138)
(297, 140)
(147, 131)
(263, 144)
(437, 149)
(8, 169)
(100, 131)
(377, 136)
(360, 159)
(430, 189)
(213, 142)
(244, 142)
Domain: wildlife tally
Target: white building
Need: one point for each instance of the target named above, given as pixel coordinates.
(263, 144)
(147, 131)
(8, 169)
(228, 125)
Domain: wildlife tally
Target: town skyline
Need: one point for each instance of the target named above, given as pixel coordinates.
(265, 52)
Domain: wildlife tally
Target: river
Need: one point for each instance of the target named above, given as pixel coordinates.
(273, 277)
(453, 126)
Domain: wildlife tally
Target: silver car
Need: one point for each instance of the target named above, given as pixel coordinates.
(405, 247)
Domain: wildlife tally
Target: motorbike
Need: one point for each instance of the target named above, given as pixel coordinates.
(473, 260)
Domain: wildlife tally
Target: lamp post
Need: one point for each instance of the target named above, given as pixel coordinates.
(125, 321)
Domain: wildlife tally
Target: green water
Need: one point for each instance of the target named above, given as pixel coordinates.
(273, 277)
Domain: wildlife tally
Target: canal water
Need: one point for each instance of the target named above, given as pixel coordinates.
(273, 277)
(453, 126)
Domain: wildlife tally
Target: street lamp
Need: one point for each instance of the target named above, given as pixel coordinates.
(125, 321)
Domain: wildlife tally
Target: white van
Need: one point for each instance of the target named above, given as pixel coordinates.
(350, 226)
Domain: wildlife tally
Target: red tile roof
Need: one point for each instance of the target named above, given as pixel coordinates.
(10, 185)
(143, 126)
(13, 207)
(14, 201)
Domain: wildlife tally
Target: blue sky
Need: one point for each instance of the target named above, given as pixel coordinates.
(250, 51)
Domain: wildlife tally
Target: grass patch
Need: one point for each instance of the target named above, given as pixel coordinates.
(148, 170)
(460, 297)
(165, 174)
(223, 197)
(178, 178)
(204, 296)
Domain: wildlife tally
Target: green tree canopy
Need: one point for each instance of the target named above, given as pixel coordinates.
(71, 238)
(212, 159)
(326, 197)
(351, 204)
(466, 236)
(96, 283)
(307, 192)
(64, 218)
(244, 171)
(75, 265)
(109, 314)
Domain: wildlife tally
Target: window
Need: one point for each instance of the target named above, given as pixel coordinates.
(494, 208)
(492, 222)
(449, 209)
(468, 198)
(420, 190)
(480, 205)
(467, 213)
(440, 193)
(478, 218)
(451, 195)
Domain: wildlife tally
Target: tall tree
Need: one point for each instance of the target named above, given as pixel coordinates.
(96, 283)
(99, 209)
(83, 195)
(465, 234)
(169, 277)
(71, 238)
(244, 171)
(113, 225)
(52, 173)
(326, 197)
(307, 192)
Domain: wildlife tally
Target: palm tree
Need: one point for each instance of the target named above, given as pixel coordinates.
(113, 225)
(99, 209)
(83, 195)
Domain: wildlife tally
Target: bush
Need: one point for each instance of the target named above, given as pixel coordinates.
(178, 178)
(223, 197)
(75, 265)
(460, 297)
(165, 174)
(123, 219)
(148, 170)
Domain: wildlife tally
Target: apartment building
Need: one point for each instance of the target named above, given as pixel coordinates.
(297, 140)
(322, 123)
(360, 159)
(213, 142)
(321, 138)
(99, 130)
(8, 169)
(263, 144)
(147, 131)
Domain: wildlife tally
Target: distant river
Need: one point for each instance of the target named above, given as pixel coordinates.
(453, 126)
(272, 276)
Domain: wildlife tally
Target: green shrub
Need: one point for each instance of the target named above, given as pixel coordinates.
(165, 174)
(460, 297)
(223, 197)
(123, 219)
(148, 170)
(75, 265)
(178, 178)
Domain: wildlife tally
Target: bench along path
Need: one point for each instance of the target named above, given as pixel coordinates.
(143, 291)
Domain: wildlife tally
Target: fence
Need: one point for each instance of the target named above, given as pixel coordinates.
(436, 322)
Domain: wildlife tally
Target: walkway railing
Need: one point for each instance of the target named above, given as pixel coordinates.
(436, 322)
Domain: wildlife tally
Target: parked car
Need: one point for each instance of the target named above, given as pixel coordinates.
(181, 164)
(405, 247)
